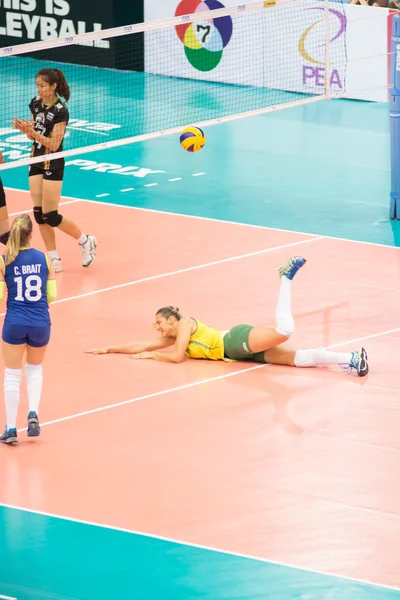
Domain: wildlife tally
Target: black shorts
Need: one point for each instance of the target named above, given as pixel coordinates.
(2, 195)
(55, 173)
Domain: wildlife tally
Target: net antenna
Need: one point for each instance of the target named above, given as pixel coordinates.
(157, 77)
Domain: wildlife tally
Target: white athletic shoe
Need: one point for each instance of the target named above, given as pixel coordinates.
(88, 251)
(56, 263)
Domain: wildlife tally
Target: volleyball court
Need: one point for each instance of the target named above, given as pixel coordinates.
(193, 429)
(292, 466)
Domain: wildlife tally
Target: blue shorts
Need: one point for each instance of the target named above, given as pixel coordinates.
(26, 334)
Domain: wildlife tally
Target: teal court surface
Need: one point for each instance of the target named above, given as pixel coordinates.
(320, 173)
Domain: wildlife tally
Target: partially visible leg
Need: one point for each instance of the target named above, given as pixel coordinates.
(34, 375)
(47, 233)
(280, 355)
(262, 338)
(51, 201)
(4, 222)
(285, 355)
(316, 357)
(12, 355)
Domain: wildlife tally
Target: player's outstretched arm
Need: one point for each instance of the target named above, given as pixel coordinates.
(135, 347)
(177, 354)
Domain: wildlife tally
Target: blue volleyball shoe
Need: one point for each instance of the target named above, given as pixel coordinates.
(9, 436)
(33, 424)
(359, 362)
(292, 266)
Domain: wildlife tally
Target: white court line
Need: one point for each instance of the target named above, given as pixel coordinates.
(185, 543)
(214, 220)
(194, 384)
(338, 438)
(201, 547)
(205, 265)
(184, 270)
(371, 511)
(119, 286)
(225, 222)
(189, 544)
(29, 210)
(196, 267)
(7, 598)
(365, 337)
(148, 396)
(217, 262)
(203, 381)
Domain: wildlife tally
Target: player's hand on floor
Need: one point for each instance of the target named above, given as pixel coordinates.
(96, 351)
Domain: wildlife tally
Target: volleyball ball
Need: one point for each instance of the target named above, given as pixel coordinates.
(192, 139)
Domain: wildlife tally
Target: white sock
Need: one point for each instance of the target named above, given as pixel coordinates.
(12, 383)
(319, 356)
(83, 238)
(53, 254)
(34, 381)
(283, 314)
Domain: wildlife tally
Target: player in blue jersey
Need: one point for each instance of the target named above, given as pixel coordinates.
(30, 281)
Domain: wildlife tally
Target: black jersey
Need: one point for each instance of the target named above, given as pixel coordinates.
(45, 118)
(2, 195)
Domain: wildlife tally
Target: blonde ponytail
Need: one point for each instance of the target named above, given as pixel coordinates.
(19, 234)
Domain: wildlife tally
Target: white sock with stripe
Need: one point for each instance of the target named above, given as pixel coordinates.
(320, 356)
(34, 382)
(12, 392)
(283, 314)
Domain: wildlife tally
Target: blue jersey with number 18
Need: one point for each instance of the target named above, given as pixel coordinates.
(26, 281)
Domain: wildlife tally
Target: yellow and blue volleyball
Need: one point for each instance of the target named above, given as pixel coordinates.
(192, 139)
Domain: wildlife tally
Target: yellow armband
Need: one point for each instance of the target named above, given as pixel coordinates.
(2, 288)
(51, 290)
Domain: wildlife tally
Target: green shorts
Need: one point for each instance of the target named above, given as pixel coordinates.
(236, 345)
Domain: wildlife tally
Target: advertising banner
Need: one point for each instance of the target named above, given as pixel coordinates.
(282, 47)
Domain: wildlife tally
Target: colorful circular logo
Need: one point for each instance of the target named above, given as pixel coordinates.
(204, 40)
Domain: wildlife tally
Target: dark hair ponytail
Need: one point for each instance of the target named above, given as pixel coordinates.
(169, 311)
(62, 85)
(56, 76)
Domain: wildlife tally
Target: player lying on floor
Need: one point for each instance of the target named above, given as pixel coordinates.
(190, 337)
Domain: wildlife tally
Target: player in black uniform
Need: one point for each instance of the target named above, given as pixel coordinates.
(4, 222)
(49, 118)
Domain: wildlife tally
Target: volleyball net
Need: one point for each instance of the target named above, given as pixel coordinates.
(138, 82)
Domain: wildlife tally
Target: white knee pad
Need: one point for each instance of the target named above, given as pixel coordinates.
(285, 325)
